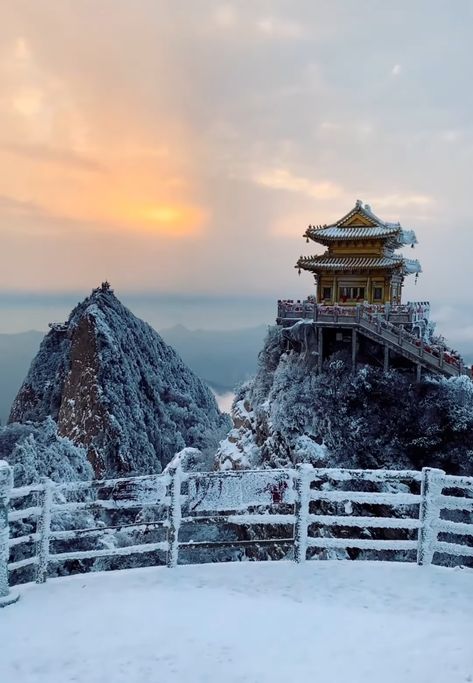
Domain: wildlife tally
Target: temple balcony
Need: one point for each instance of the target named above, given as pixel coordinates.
(413, 315)
(394, 333)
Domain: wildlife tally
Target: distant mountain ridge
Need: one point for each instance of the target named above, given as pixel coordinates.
(222, 358)
(16, 353)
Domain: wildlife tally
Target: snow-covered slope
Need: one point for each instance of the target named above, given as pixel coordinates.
(113, 386)
(274, 622)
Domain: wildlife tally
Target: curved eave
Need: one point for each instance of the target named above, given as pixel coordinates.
(326, 235)
(407, 238)
(411, 266)
(316, 264)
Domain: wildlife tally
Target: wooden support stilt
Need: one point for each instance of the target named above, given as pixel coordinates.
(354, 349)
(386, 358)
(320, 359)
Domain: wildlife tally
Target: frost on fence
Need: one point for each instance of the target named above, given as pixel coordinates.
(43, 531)
(6, 482)
(145, 491)
(431, 488)
(240, 490)
(5, 487)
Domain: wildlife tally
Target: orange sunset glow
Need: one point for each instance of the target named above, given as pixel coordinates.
(185, 146)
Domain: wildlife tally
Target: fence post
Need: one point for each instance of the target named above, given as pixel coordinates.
(43, 529)
(174, 516)
(7, 597)
(301, 511)
(429, 513)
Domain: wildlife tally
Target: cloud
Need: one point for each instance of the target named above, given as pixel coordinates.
(168, 142)
(451, 135)
(46, 154)
(282, 179)
(276, 28)
(19, 207)
(225, 16)
(403, 201)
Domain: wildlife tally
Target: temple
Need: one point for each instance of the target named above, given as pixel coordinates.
(357, 305)
(360, 263)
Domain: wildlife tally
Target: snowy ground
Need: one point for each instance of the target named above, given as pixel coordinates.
(336, 622)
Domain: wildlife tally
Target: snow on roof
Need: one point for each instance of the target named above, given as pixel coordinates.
(412, 266)
(364, 210)
(354, 263)
(350, 232)
(408, 237)
(377, 229)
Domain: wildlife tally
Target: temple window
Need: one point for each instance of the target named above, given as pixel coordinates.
(327, 293)
(377, 293)
(352, 293)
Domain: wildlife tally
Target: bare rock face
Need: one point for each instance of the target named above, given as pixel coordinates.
(112, 385)
(82, 415)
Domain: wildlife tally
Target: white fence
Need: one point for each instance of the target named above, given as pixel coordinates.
(307, 512)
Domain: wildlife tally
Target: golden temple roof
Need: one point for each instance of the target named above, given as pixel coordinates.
(327, 262)
(360, 224)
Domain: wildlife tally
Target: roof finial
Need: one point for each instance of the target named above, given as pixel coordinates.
(358, 203)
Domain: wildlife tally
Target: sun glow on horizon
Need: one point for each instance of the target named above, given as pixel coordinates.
(172, 220)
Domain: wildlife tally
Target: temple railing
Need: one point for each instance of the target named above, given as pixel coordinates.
(393, 325)
(398, 314)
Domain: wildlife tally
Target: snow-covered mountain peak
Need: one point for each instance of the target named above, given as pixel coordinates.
(112, 385)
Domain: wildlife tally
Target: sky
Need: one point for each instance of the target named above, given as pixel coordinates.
(179, 149)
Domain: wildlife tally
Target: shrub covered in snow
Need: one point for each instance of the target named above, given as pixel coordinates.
(367, 419)
(35, 451)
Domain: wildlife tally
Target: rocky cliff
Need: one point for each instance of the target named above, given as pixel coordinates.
(112, 385)
(292, 413)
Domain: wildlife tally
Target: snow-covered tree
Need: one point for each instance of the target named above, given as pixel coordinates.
(369, 418)
(35, 451)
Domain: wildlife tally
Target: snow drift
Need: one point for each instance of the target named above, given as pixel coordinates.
(245, 622)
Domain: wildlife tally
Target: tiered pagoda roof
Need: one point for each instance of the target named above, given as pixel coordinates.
(360, 225)
(356, 263)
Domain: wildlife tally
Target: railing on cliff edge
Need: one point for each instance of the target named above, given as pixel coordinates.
(248, 499)
(387, 321)
(411, 312)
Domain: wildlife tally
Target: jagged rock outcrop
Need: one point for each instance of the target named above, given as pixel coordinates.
(113, 386)
(290, 412)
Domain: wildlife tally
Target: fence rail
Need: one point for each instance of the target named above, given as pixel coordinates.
(430, 511)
